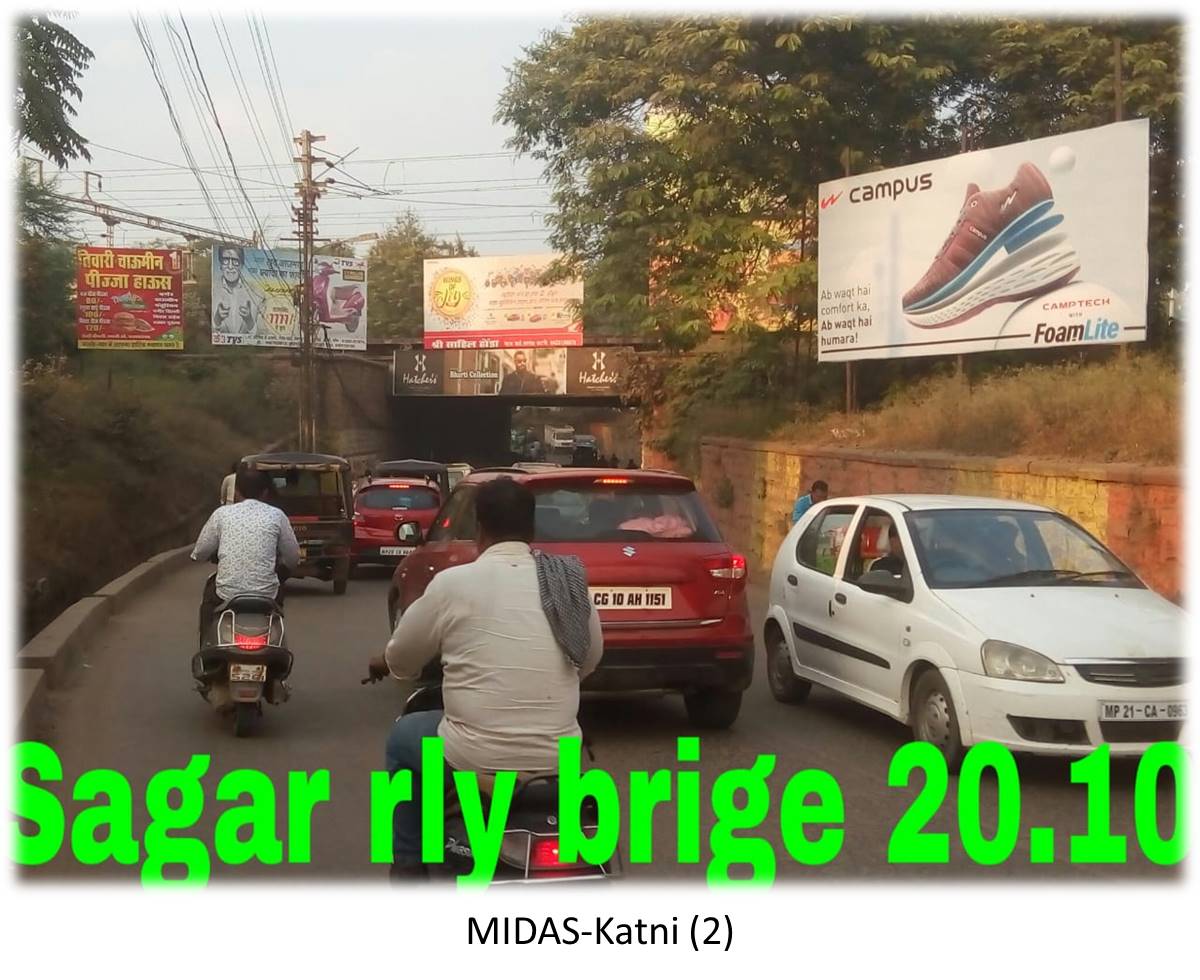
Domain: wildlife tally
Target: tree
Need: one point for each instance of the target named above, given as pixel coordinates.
(46, 272)
(685, 153)
(50, 59)
(396, 276)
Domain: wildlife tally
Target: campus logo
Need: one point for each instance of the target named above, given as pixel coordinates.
(892, 189)
(830, 201)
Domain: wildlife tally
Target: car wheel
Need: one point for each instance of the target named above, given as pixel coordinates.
(785, 685)
(713, 708)
(933, 716)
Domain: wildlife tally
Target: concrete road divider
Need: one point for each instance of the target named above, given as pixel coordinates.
(45, 661)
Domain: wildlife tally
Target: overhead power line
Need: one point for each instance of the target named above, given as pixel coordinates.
(148, 50)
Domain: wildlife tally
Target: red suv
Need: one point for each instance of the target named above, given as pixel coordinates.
(671, 593)
(380, 507)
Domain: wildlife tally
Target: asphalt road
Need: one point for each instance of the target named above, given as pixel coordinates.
(131, 707)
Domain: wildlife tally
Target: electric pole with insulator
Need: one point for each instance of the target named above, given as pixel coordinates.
(308, 190)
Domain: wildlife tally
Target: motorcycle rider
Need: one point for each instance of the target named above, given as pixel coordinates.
(517, 632)
(250, 539)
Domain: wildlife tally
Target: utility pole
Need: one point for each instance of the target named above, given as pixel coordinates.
(308, 190)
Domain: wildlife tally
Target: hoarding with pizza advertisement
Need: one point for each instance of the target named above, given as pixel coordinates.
(1032, 245)
(500, 301)
(128, 298)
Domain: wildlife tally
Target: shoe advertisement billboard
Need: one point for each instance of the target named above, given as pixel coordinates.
(254, 299)
(1032, 245)
(499, 301)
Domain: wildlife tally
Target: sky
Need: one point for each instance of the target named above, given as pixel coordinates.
(410, 101)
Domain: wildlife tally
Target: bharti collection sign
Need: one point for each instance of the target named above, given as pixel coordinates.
(1033, 245)
(129, 298)
(499, 302)
(537, 371)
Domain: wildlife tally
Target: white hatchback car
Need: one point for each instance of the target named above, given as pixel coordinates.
(975, 620)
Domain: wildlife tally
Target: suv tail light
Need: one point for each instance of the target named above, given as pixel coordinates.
(731, 568)
(358, 519)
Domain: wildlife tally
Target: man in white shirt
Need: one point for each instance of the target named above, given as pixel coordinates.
(249, 539)
(510, 679)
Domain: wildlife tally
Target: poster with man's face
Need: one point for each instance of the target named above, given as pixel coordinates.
(533, 371)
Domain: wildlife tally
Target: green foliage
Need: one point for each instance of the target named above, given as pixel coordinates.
(685, 153)
(50, 60)
(396, 278)
(46, 270)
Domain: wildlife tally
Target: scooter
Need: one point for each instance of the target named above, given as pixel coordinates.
(529, 852)
(243, 661)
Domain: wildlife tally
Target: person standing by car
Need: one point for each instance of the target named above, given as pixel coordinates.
(248, 539)
(229, 485)
(817, 493)
(517, 632)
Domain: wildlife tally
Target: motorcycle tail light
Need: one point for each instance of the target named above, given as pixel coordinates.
(243, 642)
(544, 856)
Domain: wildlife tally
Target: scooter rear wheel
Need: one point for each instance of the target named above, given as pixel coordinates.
(245, 715)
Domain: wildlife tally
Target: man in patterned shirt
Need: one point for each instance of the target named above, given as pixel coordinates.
(249, 538)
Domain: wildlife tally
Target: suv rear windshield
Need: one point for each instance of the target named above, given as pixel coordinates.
(399, 498)
(307, 492)
(621, 514)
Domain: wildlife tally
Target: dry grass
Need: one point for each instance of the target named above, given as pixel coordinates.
(1119, 411)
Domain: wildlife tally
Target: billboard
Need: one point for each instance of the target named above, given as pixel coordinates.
(1033, 245)
(254, 299)
(534, 371)
(129, 298)
(496, 302)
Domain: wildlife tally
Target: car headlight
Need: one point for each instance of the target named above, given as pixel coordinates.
(1016, 663)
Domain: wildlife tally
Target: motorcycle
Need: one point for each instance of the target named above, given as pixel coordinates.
(243, 661)
(529, 851)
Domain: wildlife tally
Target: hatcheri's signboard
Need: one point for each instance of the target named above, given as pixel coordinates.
(497, 302)
(129, 298)
(1037, 244)
(254, 299)
(539, 371)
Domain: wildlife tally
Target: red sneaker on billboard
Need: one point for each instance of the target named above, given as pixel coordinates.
(1000, 250)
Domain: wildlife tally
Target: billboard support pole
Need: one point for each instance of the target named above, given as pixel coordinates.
(1118, 111)
(851, 378)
